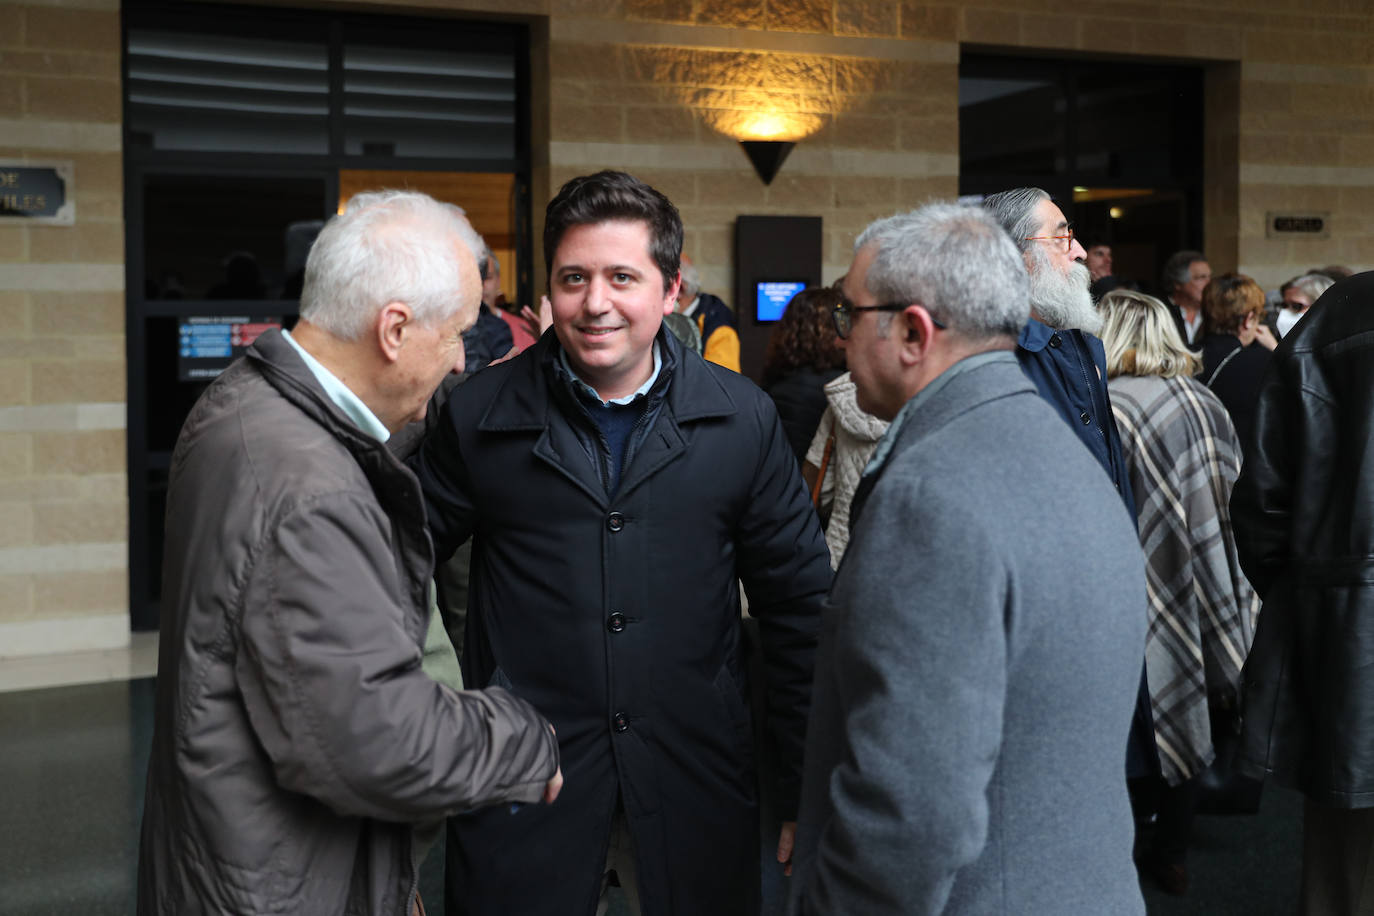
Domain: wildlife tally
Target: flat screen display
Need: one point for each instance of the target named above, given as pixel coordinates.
(771, 298)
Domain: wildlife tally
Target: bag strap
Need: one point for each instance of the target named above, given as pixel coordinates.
(820, 477)
(1222, 365)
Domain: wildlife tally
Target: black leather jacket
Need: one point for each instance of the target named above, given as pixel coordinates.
(1304, 520)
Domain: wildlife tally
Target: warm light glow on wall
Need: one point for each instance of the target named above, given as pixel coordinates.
(766, 125)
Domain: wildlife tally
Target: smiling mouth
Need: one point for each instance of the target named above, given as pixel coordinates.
(597, 332)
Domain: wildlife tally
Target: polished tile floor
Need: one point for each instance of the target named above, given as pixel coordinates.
(73, 759)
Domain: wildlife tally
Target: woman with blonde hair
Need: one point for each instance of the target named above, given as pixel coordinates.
(1183, 459)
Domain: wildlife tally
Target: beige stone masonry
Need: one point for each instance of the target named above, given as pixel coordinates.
(63, 494)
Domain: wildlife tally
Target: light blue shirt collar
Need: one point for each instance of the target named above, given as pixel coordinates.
(589, 390)
(339, 393)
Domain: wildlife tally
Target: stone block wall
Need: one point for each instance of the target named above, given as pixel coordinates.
(643, 84)
(63, 490)
(662, 88)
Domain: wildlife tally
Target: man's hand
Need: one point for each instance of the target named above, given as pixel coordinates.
(786, 839)
(553, 787)
(538, 322)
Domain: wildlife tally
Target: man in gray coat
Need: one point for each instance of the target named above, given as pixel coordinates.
(972, 692)
(297, 740)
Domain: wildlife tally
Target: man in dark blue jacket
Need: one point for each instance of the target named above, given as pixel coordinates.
(1068, 365)
(581, 468)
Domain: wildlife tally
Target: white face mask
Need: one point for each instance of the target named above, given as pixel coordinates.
(1287, 318)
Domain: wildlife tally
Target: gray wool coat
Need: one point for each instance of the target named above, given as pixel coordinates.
(978, 666)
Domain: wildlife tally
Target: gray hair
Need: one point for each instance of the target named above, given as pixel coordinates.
(1175, 271)
(691, 281)
(1311, 285)
(387, 246)
(484, 261)
(957, 262)
(1014, 210)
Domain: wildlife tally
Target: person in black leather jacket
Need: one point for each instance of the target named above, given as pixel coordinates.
(1304, 519)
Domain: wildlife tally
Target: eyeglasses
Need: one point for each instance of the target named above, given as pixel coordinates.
(843, 315)
(1065, 241)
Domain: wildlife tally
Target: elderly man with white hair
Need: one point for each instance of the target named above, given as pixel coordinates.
(713, 318)
(971, 697)
(297, 740)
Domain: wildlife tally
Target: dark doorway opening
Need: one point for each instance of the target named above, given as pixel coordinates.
(1118, 145)
(244, 130)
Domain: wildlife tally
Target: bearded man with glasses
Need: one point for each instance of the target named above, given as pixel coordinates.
(1068, 364)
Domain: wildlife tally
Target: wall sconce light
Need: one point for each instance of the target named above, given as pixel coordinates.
(766, 137)
(767, 156)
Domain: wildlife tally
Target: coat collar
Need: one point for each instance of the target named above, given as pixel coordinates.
(286, 371)
(980, 379)
(1035, 336)
(524, 399)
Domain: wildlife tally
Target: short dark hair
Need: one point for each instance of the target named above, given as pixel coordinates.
(1176, 270)
(607, 196)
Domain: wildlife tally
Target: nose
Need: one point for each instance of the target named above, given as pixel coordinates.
(1076, 252)
(597, 301)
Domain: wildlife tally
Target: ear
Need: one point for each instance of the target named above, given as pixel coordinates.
(918, 333)
(670, 297)
(394, 321)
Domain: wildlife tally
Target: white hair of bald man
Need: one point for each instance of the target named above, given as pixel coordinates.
(956, 261)
(691, 281)
(388, 246)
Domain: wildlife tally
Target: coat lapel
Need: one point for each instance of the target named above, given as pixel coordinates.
(559, 447)
(524, 404)
(664, 444)
(694, 394)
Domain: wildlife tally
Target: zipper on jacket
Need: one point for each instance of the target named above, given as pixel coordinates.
(409, 903)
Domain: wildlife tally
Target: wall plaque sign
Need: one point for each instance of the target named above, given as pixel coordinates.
(1310, 224)
(37, 192)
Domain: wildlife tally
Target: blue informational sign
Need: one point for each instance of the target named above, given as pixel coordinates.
(772, 298)
(206, 345)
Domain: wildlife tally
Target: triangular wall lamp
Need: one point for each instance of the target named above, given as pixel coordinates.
(767, 156)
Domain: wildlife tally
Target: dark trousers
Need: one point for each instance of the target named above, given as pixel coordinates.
(1337, 861)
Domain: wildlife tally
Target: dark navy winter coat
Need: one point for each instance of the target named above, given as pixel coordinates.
(618, 616)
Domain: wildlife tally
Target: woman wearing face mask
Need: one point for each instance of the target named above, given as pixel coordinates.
(1298, 295)
(1236, 348)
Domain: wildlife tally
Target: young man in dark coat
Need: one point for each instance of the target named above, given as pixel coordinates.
(1305, 533)
(617, 489)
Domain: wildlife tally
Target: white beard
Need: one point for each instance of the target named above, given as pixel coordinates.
(1062, 301)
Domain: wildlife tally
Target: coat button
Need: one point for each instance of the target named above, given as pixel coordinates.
(1085, 418)
(616, 622)
(1055, 341)
(615, 521)
(622, 722)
